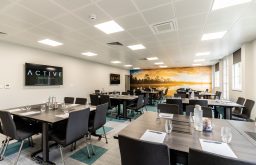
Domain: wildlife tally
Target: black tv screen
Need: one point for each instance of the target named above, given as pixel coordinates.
(43, 75)
(114, 78)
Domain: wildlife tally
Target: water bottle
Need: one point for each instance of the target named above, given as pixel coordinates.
(192, 96)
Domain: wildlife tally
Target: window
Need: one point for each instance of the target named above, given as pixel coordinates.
(237, 71)
(217, 79)
(225, 79)
(237, 76)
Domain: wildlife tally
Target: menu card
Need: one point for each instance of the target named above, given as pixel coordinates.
(217, 148)
(166, 115)
(153, 136)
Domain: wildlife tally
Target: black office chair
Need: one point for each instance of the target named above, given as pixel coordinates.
(246, 113)
(197, 157)
(69, 100)
(99, 120)
(200, 102)
(12, 132)
(237, 110)
(76, 129)
(95, 100)
(81, 101)
(138, 106)
(136, 152)
(177, 102)
(168, 108)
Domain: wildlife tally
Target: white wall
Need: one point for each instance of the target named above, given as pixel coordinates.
(80, 77)
(248, 57)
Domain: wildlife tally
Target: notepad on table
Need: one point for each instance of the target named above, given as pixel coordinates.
(153, 136)
(66, 115)
(29, 113)
(217, 148)
(166, 115)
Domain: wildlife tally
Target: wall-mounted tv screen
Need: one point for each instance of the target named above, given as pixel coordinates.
(114, 78)
(43, 75)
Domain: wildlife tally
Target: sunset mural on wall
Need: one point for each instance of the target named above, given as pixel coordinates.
(197, 78)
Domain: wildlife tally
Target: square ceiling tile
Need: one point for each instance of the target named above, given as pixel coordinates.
(188, 22)
(72, 4)
(131, 21)
(196, 31)
(4, 3)
(117, 8)
(167, 36)
(159, 14)
(85, 12)
(24, 14)
(71, 21)
(185, 8)
(143, 31)
(146, 4)
(44, 8)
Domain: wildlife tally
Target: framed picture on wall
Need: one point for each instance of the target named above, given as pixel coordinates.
(114, 78)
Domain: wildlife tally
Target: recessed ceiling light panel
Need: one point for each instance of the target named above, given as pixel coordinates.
(50, 42)
(89, 54)
(109, 27)
(128, 65)
(163, 66)
(136, 47)
(152, 58)
(159, 63)
(212, 36)
(115, 62)
(220, 4)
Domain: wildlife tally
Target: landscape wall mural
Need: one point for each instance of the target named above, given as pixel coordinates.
(197, 78)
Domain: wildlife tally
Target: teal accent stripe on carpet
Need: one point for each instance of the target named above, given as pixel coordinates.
(82, 156)
(14, 148)
(100, 131)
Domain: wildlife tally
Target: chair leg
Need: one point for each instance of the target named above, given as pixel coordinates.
(21, 145)
(5, 145)
(93, 151)
(61, 154)
(105, 134)
(146, 107)
(87, 146)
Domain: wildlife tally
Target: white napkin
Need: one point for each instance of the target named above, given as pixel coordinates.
(153, 136)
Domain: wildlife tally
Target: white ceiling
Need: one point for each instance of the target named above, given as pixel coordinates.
(67, 21)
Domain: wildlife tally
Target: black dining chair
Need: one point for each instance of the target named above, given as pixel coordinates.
(146, 101)
(97, 91)
(81, 101)
(200, 102)
(217, 95)
(177, 102)
(238, 110)
(207, 111)
(69, 100)
(12, 132)
(76, 129)
(99, 120)
(246, 112)
(181, 95)
(95, 100)
(168, 108)
(137, 152)
(137, 107)
(197, 157)
(124, 93)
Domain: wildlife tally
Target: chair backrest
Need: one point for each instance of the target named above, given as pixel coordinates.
(240, 101)
(140, 101)
(217, 95)
(166, 91)
(168, 108)
(189, 108)
(200, 102)
(105, 99)
(177, 102)
(206, 90)
(136, 152)
(248, 106)
(138, 92)
(81, 101)
(124, 93)
(207, 112)
(181, 95)
(197, 157)
(94, 99)
(77, 125)
(146, 99)
(100, 116)
(97, 91)
(69, 100)
(8, 125)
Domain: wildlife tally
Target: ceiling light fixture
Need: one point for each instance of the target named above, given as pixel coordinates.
(163, 66)
(152, 58)
(50, 42)
(203, 54)
(136, 47)
(109, 27)
(128, 65)
(159, 63)
(212, 36)
(199, 60)
(115, 62)
(89, 54)
(136, 68)
(220, 4)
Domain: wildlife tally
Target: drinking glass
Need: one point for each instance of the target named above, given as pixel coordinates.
(43, 108)
(168, 126)
(191, 117)
(226, 134)
(28, 108)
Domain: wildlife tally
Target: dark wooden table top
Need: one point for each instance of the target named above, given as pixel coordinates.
(123, 97)
(184, 136)
(48, 116)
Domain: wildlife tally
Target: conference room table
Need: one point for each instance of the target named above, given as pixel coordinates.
(184, 136)
(46, 118)
(226, 104)
(206, 95)
(123, 99)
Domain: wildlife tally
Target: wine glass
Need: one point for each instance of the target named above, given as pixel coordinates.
(43, 108)
(168, 126)
(226, 134)
(28, 108)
